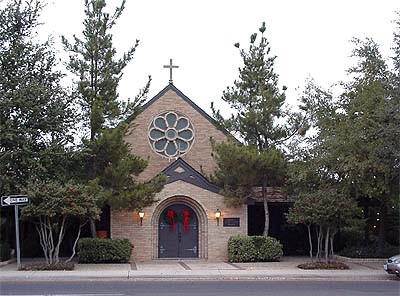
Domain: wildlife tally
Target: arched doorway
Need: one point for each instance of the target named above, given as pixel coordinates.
(178, 232)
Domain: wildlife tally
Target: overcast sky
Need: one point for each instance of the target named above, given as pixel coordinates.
(311, 39)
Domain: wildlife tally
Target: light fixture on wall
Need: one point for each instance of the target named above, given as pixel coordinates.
(217, 215)
(141, 215)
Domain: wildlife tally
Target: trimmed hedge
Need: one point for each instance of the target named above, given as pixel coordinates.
(5, 251)
(254, 249)
(101, 250)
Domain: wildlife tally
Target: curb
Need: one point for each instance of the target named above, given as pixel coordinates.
(205, 278)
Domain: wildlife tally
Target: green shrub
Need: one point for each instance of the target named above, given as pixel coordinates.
(101, 250)
(270, 249)
(241, 249)
(5, 251)
(370, 251)
(253, 248)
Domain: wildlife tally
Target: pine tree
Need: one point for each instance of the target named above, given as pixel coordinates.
(93, 60)
(258, 103)
(116, 167)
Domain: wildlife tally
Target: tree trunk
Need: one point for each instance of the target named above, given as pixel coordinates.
(266, 226)
(76, 241)
(42, 238)
(310, 241)
(319, 242)
(93, 228)
(331, 242)
(327, 245)
(60, 239)
(92, 167)
(266, 209)
(50, 240)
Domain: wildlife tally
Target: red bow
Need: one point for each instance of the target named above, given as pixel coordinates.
(185, 220)
(171, 215)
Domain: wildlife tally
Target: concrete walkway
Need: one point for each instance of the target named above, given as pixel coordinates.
(200, 270)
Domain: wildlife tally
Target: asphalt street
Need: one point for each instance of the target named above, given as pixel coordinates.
(200, 288)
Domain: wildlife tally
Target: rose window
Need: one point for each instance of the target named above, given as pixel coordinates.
(171, 134)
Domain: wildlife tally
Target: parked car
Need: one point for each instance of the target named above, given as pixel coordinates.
(392, 265)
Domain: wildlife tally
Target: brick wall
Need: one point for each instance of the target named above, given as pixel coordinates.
(212, 238)
(199, 156)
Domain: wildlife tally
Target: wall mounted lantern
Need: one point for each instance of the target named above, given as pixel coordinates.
(141, 215)
(217, 215)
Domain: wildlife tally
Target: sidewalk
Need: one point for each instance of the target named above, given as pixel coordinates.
(286, 269)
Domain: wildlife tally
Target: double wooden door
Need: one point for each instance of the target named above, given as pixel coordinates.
(178, 232)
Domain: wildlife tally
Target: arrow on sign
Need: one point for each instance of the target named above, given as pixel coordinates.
(14, 200)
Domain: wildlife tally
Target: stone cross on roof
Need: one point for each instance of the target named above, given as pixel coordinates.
(170, 66)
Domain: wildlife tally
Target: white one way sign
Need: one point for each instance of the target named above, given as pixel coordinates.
(14, 200)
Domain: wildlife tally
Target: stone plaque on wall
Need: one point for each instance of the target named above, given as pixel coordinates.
(231, 222)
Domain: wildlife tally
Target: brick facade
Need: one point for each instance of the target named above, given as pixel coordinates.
(199, 156)
(212, 237)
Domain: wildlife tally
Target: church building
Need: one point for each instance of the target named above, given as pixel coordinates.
(189, 218)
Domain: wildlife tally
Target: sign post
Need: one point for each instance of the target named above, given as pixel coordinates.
(17, 237)
(16, 201)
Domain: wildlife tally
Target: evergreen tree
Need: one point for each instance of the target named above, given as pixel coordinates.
(241, 169)
(355, 147)
(371, 121)
(258, 103)
(35, 110)
(116, 167)
(396, 50)
(93, 60)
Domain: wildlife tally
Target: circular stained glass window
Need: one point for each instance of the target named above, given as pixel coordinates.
(171, 134)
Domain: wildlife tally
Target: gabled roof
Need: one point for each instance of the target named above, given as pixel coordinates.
(187, 100)
(181, 170)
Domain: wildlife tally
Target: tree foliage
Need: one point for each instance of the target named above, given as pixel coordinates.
(257, 100)
(258, 104)
(327, 210)
(117, 168)
(241, 169)
(109, 161)
(35, 110)
(93, 60)
(355, 145)
(54, 207)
